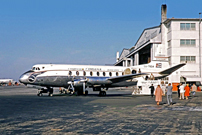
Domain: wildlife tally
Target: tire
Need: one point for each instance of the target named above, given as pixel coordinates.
(86, 92)
(40, 94)
(102, 93)
(76, 93)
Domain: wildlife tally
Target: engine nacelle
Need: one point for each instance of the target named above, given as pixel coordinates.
(78, 84)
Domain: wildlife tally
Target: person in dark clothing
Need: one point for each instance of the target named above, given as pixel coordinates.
(152, 90)
(178, 90)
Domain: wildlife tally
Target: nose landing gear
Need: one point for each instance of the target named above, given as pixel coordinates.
(48, 90)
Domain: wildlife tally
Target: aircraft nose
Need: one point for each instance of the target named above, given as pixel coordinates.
(24, 77)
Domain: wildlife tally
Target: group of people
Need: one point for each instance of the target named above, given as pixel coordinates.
(185, 91)
(182, 92)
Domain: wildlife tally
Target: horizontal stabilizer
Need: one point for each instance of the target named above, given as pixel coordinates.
(172, 69)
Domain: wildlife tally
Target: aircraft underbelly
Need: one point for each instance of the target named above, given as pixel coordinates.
(123, 84)
(53, 81)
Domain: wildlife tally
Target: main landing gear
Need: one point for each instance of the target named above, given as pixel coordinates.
(102, 93)
(77, 90)
(48, 90)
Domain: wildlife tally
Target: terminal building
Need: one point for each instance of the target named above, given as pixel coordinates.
(175, 40)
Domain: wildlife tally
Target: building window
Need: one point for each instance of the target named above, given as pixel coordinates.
(193, 27)
(187, 26)
(188, 42)
(188, 59)
(193, 58)
(169, 44)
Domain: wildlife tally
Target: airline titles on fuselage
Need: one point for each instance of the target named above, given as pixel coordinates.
(92, 69)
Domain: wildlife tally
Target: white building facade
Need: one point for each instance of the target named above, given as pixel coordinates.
(175, 41)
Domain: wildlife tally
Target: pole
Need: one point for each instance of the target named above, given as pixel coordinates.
(199, 44)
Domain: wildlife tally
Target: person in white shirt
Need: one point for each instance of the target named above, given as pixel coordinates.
(182, 91)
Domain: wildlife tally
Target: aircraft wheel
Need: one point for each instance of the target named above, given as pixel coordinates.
(76, 93)
(86, 92)
(39, 94)
(102, 93)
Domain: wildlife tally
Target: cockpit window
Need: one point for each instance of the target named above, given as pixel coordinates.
(35, 68)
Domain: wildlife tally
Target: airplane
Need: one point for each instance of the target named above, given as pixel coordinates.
(77, 78)
(5, 81)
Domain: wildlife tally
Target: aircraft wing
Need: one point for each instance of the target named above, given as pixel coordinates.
(125, 77)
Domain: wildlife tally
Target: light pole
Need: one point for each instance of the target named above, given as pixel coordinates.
(200, 44)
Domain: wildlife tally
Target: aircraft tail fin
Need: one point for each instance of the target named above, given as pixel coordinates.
(172, 69)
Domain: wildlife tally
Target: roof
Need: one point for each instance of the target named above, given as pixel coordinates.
(181, 19)
(124, 53)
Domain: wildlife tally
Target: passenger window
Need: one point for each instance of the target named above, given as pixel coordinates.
(122, 73)
(84, 73)
(91, 73)
(110, 73)
(104, 73)
(98, 73)
(70, 73)
(77, 73)
(117, 74)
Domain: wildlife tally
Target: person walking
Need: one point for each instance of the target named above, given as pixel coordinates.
(193, 89)
(152, 90)
(158, 94)
(181, 91)
(178, 90)
(169, 89)
(187, 91)
(163, 87)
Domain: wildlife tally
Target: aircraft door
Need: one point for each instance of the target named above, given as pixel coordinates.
(127, 71)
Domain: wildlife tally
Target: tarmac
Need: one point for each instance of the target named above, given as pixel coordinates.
(22, 112)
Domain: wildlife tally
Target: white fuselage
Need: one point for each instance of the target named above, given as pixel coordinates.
(6, 81)
(93, 76)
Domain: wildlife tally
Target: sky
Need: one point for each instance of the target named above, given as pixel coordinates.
(77, 31)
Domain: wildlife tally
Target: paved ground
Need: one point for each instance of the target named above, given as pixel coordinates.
(22, 112)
